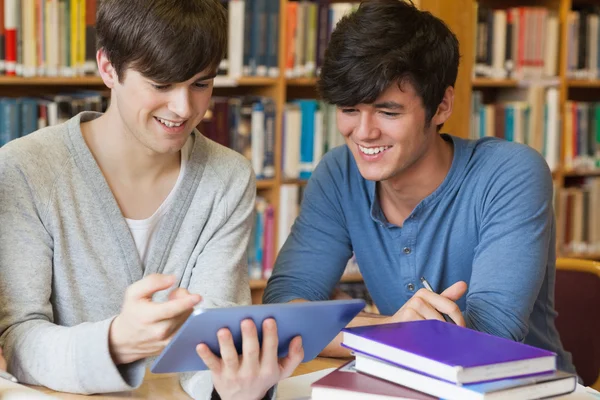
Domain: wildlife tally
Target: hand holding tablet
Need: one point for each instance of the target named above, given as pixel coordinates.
(317, 323)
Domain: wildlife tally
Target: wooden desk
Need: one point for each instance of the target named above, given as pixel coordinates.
(166, 386)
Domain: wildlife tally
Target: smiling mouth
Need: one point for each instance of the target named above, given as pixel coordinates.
(372, 150)
(169, 124)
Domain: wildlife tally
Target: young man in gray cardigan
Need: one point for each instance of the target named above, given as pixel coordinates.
(101, 215)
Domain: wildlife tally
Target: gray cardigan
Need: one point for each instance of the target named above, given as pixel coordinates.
(67, 255)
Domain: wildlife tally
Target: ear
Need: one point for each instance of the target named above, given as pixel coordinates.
(444, 110)
(106, 70)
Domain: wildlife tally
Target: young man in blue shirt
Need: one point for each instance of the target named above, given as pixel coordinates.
(474, 218)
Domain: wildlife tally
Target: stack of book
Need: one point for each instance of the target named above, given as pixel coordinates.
(434, 359)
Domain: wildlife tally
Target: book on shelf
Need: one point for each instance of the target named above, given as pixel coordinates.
(516, 42)
(447, 351)
(537, 386)
(348, 384)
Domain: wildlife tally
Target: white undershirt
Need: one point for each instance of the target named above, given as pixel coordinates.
(143, 230)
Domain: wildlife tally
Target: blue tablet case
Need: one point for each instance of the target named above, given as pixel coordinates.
(317, 322)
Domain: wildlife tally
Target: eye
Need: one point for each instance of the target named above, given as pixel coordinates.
(200, 85)
(160, 87)
(348, 110)
(389, 114)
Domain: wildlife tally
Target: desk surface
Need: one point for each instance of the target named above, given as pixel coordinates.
(166, 386)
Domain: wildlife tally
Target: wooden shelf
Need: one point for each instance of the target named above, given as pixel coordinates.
(52, 81)
(265, 183)
(258, 283)
(295, 182)
(301, 81)
(583, 83)
(487, 82)
(256, 81)
(586, 256)
(351, 278)
(262, 283)
(220, 81)
(583, 172)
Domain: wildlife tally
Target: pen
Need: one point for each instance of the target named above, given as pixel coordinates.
(8, 377)
(428, 287)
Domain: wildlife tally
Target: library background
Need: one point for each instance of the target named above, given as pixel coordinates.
(529, 71)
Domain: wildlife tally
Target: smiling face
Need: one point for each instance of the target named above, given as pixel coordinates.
(160, 116)
(389, 136)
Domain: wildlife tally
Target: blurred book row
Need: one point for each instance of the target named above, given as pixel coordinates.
(526, 115)
(48, 37)
(309, 26)
(578, 204)
(23, 115)
(517, 42)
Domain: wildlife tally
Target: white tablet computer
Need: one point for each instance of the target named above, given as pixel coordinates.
(317, 322)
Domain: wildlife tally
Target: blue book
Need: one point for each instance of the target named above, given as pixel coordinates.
(537, 386)
(449, 352)
(10, 119)
(308, 108)
(29, 115)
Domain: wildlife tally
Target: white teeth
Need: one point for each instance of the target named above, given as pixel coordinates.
(168, 123)
(373, 150)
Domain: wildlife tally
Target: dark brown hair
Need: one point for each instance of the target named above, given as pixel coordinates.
(389, 42)
(167, 41)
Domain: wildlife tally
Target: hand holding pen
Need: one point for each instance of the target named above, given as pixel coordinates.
(428, 287)
(426, 304)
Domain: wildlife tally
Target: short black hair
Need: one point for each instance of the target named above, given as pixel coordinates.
(387, 42)
(164, 40)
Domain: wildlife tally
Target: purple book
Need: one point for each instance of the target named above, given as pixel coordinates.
(448, 351)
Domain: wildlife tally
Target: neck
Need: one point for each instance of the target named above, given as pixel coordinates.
(117, 151)
(406, 190)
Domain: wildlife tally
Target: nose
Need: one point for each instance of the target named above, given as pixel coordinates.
(180, 103)
(366, 129)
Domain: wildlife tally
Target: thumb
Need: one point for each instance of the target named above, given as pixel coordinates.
(295, 356)
(455, 291)
(146, 287)
(179, 293)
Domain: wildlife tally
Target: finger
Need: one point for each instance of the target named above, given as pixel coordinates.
(421, 309)
(250, 345)
(175, 308)
(146, 287)
(178, 293)
(456, 291)
(229, 353)
(270, 342)
(209, 358)
(293, 359)
(442, 305)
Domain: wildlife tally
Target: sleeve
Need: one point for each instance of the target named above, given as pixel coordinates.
(515, 239)
(39, 352)
(225, 283)
(315, 254)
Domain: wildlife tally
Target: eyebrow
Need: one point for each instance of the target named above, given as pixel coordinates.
(206, 77)
(392, 105)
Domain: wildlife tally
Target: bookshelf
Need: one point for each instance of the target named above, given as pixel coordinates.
(455, 13)
(573, 86)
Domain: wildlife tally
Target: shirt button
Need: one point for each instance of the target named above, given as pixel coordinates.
(410, 287)
(406, 250)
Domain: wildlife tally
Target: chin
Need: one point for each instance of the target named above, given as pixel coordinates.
(375, 176)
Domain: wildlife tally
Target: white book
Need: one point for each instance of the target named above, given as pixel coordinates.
(318, 139)
(525, 388)
(551, 46)
(552, 138)
(257, 132)
(235, 39)
(291, 141)
(288, 211)
(499, 45)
